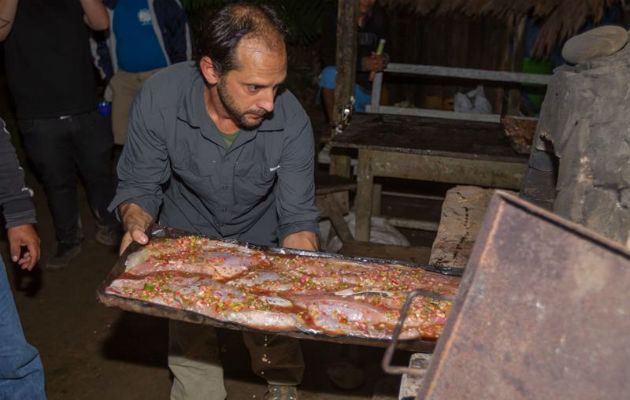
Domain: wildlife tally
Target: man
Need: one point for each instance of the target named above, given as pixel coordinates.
(144, 37)
(21, 371)
(50, 74)
(218, 148)
(372, 26)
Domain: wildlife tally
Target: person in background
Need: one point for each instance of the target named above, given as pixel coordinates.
(21, 371)
(372, 27)
(219, 148)
(50, 74)
(144, 36)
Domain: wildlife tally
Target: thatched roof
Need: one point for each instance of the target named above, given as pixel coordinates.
(561, 18)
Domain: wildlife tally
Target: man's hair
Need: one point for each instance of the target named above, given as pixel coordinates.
(222, 31)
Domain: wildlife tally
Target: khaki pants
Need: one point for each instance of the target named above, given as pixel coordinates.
(124, 86)
(196, 366)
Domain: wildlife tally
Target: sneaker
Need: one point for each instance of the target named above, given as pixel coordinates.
(65, 252)
(281, 392)
(108, 236)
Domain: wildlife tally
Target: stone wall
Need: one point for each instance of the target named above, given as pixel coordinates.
(586, 119)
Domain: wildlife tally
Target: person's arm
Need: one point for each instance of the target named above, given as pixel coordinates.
(17, 205)
(7, 16)
(142, 170)
(179, 41)
(95, 16)
(295, 194)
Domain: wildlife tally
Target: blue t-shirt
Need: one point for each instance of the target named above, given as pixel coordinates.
(137, 46)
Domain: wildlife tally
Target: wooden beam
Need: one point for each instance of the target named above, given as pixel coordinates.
(489, 173)
(430, 113)
(469, 73)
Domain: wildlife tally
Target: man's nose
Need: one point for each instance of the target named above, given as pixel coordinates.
(266, 100)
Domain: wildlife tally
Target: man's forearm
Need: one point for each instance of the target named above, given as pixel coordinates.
(96, 16)
(7, 15)
(304, 240)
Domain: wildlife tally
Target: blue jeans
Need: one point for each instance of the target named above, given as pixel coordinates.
(327, 80)
(21, 371)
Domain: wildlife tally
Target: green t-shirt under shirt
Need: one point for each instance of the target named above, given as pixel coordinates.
(229, 137)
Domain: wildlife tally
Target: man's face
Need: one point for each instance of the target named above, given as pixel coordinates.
(248, 92)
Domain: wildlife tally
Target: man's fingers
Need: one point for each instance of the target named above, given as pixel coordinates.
(139, 236)
(15, 249)
(34, 251)
(129, 237)
(126, 241)
(27, 262)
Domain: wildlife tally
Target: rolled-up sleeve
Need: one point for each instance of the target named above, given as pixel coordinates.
(295, 195)
(144, 165)
(15, 198)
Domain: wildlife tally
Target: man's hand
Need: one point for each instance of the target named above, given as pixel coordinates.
(304, 240)
(24, 235)
(135, 222)
(375, 63)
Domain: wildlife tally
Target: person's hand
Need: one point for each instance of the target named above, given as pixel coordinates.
(24, 235)
(304, 240)
(135, 222)
(375, 62)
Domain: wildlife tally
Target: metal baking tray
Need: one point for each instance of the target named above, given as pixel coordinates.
(157, 310)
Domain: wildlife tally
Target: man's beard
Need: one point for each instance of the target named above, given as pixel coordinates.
(238, 115)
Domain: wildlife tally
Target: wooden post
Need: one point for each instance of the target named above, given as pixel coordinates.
(504, 64)
(516, 64)
(347, 17)
(363, 200)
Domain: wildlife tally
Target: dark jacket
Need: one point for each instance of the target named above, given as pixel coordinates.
(15, 198)
(171, 28)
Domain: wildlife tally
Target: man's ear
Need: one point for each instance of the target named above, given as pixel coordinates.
(208, 71)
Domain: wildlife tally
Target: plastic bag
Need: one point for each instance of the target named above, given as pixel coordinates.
(380, 232)
(474, 101)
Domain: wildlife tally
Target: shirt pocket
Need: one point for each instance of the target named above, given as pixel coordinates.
(253, 182)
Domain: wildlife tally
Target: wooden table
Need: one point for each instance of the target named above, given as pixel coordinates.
(474, 153)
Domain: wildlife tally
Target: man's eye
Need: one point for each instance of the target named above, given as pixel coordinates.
(253, 88)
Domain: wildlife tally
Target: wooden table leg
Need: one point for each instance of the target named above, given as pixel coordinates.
(377, 191)
(363, 201)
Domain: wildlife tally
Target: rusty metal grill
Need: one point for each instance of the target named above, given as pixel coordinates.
(543, 312)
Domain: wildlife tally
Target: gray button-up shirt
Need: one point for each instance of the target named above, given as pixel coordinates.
(176, 165)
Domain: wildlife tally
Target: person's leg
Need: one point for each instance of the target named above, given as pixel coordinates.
(193, 358)
(124, 88)
(21, 371)
(278, 359)
(48, 144)
(93, 153)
